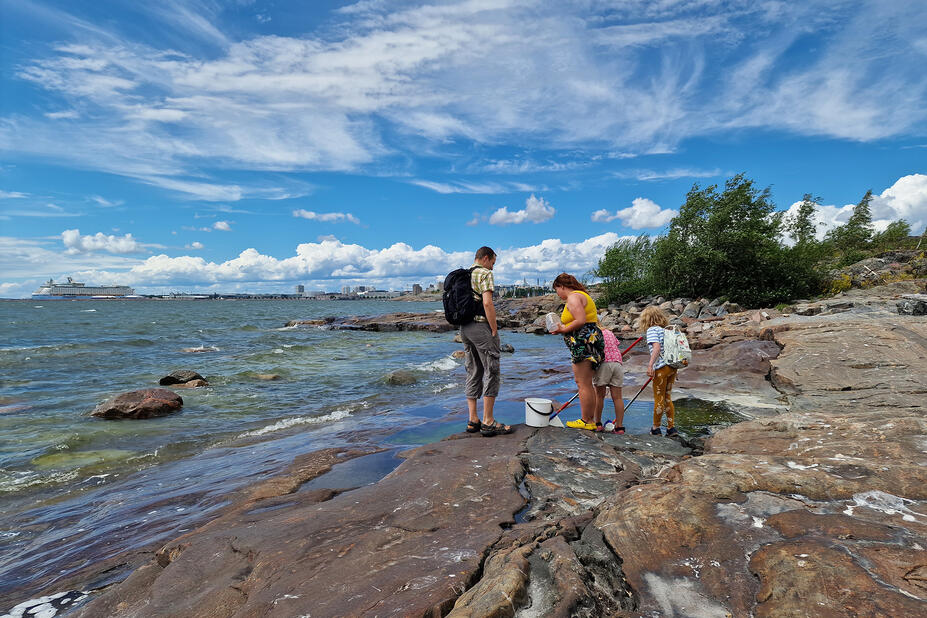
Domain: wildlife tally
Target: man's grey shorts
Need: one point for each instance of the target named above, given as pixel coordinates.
(609, 374)
(481, 359)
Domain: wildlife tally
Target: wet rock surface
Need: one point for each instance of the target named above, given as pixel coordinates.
(429, 322)
(146, 403)
(181, 376)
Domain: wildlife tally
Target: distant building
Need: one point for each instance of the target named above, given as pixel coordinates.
(300, 289)
(346, 289)
(440, 286)
(416, 288)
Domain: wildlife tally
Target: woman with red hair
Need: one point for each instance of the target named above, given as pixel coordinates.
(583, 339)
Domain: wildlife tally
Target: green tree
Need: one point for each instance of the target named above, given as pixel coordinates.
(625, 270)
(725, 244)
(893, 236)
(801, 226)
(853, 237)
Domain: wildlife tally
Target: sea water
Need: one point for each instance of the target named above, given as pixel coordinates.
(76, 490)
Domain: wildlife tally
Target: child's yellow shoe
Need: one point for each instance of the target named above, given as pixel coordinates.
(580, 424)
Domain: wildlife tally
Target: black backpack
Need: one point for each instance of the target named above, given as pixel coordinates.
(459, 305)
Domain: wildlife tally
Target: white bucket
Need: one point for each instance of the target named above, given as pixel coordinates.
(538, 411)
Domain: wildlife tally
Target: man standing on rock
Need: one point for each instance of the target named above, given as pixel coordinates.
(481, 348)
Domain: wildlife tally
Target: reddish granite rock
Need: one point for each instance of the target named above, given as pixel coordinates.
(140, 404)
(411, 549)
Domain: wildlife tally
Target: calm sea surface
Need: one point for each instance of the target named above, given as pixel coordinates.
(75, 489)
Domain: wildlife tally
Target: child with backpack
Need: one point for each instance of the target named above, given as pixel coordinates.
(654, 320)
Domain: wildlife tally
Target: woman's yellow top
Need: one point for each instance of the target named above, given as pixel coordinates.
(592, 314)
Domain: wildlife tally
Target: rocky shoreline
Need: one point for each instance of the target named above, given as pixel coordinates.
(816, 506)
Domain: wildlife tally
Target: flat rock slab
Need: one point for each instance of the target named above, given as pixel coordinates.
(819, 511)
(408, 545)
(146, 403)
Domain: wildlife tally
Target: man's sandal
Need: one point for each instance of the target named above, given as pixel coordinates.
(495, 429)
(473, 426)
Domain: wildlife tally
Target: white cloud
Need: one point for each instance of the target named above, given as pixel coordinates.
(671, 174)
(102, 201)
(222, 226)
(328, 260)
(643, 213)
(195, 245)
(9, 195)
(327, 217)
(906, 199)
(485, 188)
(391, 79)
(76, 243)
(536, 210)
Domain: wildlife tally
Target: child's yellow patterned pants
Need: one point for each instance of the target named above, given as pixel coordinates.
(663, 379)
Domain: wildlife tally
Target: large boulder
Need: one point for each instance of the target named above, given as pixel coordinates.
(692, 309)
(146, 403)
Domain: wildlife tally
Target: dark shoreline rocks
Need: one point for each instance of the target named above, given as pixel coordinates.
(183, 378)
(147, 403)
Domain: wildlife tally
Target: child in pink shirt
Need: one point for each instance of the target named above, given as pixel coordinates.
(610, 374)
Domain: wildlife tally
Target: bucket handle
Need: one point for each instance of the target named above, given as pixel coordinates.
(548, 413)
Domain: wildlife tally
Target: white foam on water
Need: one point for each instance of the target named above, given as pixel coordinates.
(287, 327)
(17, 481)
(278, 351)
(444, 387)
(442, 364)
(883, 502)
(201, 348)
(286, 423)
(88, 310)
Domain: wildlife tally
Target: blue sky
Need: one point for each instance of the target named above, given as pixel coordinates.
(246, 145)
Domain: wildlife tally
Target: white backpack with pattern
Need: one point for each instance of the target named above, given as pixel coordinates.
(676, 352)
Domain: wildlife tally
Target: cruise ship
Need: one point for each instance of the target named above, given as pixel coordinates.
(74, 290)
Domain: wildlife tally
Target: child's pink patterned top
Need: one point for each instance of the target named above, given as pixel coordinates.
(612, 349)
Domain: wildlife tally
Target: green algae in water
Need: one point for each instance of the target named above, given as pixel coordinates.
(80, 459)
(697, 416)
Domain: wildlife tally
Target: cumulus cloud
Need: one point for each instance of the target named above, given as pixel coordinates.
(196, 245)
(905, 199)
(326, 263)
(222, 226)
(643, 213)
(76, 243)
(328, 217)
(536, 210)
